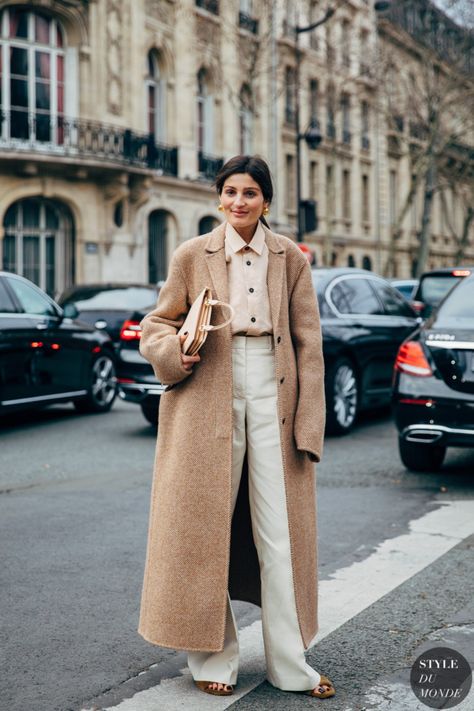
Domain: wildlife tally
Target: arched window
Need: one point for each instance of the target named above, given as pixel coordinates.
(245, 120)
(39, 243)
(32, 79)
(156, 97)
(205, 113)
(207, 224)
(366, 262)
(157, 246)
(351, 261)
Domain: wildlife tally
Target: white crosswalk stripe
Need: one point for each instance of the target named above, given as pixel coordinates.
(348, 591)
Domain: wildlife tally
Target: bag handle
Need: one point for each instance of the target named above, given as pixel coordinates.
(222, 304)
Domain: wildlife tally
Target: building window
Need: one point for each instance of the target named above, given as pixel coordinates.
(290, 184)
(207, 224)
(245, 120)
(32, 76)
(351, 260)
(393, 197)
(346, 194)
(364, 62)
(330, 193)
(209, 5)
(365, 199)
(155, 88)
(314, 179)
(314, 99)
(39, 243)
(346, 118)
(330, 51)
(366, 262)
(346, 43)
(157, 246)
(365, 125)
(314, 15)
(290, 115)
(205, 114)
(330, 109)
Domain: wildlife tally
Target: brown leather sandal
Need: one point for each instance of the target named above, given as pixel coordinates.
(320, 692)
(205, 686)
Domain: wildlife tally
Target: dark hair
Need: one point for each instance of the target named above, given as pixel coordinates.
(256, 167)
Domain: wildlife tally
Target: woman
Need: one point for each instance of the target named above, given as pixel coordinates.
(233, 496)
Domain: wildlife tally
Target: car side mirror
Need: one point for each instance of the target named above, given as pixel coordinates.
(70, 311)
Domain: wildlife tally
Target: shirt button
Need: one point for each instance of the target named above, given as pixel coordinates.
(247, 248)
(251, 290)
(248, 263)
(253, 319)
(278, 339)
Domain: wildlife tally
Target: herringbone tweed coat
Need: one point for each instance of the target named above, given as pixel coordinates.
(195, 552)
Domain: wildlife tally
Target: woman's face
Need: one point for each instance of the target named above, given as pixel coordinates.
(242, 200)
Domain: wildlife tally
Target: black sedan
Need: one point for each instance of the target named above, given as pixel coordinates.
(363, 320)
(46, 357)
(433, 396)
(434, 285)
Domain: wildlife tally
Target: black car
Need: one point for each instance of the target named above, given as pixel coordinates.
(46, 357)
(108, 306)
(434, 285)
(433, 394)
(363, 320)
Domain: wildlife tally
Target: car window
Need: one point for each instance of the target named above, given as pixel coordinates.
(123, 299)
(434, 287)
(393, 303)
(405, 289)
(458, 310)
(355, 296)
(32, 302)
(6, 304)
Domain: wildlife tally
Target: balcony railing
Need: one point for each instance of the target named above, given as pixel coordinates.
(209, 165)
(248, 23)
(82, 139)
(209, 5)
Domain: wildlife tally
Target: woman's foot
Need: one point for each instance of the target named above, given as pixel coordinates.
(324, 690)
(216, 688)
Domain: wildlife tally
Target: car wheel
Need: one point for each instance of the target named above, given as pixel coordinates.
(102, 388)
(150, 411)
(421, 457)
(341, 397)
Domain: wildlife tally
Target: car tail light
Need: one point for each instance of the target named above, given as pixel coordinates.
(461, 272)
(411, 359)
(130, 331)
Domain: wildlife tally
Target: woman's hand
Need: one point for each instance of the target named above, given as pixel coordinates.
(187, 360)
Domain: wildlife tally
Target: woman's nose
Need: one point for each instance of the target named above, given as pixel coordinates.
(239, 199)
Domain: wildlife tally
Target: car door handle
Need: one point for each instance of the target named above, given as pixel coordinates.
(41, 326)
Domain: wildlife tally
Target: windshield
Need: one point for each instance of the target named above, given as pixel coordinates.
(434, 287)
(127, 299)
(458, 309)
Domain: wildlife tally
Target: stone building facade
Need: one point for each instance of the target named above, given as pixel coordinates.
(116, 115)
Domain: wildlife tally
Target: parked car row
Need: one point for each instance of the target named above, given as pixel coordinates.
(377, 350)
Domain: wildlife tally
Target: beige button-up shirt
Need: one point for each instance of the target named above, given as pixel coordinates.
(247, 277)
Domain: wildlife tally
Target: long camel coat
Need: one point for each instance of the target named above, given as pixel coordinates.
(196, 550)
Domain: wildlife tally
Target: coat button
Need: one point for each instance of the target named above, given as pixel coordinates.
(278, 339)
(282, 380)
(283, 421)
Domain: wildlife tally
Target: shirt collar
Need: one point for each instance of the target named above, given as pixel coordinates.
(235, 242)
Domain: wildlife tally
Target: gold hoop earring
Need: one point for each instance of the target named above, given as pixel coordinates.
(220, 207)
(266, 211)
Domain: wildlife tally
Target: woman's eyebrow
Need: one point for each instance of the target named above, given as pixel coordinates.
(247, 188)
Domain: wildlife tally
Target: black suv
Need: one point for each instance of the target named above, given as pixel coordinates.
(47, 357)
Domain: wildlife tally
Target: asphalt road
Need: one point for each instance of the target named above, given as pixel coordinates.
(73, 522)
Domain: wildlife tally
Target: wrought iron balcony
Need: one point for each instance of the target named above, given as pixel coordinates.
(209, 166)
(209, 5)
(81, 139)
(248, 23)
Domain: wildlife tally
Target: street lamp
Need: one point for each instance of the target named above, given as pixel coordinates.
(312, 135)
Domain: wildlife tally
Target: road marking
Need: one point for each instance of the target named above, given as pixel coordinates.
(349, 591)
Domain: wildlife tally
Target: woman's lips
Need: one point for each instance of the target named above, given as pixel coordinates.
(239, 214)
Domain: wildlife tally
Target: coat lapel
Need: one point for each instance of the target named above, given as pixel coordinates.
(215, 259)
(275, 276)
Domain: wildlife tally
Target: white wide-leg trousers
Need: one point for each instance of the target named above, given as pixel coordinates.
(256, 432)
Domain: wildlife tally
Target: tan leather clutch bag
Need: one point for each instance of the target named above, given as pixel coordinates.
(198, 321)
